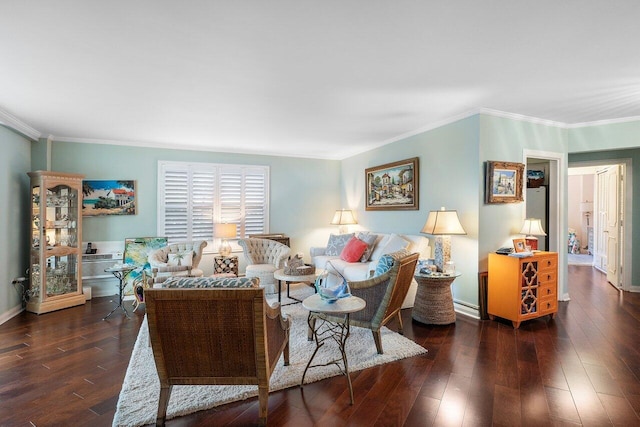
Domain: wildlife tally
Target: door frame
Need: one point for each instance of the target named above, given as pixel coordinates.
(625, 249)
(557, 185)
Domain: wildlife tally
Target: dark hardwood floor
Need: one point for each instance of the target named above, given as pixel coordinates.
(583, 368)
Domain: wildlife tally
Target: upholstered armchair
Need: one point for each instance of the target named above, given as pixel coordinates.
(176, 259)
(263, 258)
(383, 293)
(235, 335)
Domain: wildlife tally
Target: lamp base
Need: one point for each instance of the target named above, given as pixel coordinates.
(225, 249)
(442, 251)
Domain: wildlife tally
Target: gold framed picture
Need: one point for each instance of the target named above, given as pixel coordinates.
(504, 182)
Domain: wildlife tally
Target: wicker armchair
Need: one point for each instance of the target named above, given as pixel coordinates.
(215, 336)
(384, 295)
(264, 257)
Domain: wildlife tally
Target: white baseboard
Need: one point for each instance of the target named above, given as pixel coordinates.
(466, 310)
(8, 315)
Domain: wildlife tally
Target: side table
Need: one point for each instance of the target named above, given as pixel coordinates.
(120, 272)
(325, 329)
(434, 303)
(225, 265)
(288, 278)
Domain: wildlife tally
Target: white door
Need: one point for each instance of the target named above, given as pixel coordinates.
(612, 226)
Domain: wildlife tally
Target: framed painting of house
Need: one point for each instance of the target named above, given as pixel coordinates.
(393, 186)
(504, 182)
(108, 197)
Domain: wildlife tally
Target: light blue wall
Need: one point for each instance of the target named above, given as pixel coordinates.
(304, 192)
(616, 136)
(449, 169)
(503, 139)
(15, 162)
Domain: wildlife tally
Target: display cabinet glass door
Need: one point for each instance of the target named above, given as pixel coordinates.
(55, 269)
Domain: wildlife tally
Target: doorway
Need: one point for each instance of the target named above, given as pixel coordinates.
(604, 215)
(555, 181)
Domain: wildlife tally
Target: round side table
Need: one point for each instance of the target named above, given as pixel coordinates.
(434, 303)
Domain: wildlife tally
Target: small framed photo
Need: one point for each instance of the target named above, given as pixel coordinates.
(504, 182)
(520, 245)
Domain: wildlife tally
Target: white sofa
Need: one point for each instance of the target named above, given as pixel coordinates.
(355, 271)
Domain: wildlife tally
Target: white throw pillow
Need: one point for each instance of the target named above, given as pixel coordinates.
(379, 247)
(394, 244)
(183, 258)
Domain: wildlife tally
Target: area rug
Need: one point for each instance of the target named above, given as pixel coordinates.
(138, 401)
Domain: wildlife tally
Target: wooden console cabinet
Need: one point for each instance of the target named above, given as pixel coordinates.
(521, 289)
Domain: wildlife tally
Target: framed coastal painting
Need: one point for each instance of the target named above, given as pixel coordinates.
(393, 186)
(504, 182)
(108, 197)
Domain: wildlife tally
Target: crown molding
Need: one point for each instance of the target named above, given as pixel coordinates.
(521, 117)
(604, 122)
(18, 125)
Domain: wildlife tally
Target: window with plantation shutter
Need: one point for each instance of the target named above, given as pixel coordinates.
(194, 196)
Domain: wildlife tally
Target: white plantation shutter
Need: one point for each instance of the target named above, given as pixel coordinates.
(255, 201)
(194, 196)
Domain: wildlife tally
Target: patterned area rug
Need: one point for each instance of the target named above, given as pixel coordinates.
(138, 401)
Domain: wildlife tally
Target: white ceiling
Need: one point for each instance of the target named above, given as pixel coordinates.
(324, 79)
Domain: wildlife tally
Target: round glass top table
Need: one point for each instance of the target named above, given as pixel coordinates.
(330, 321)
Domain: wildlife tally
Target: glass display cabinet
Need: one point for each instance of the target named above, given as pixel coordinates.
(56, 238)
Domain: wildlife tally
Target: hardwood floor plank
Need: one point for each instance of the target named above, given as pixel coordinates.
(506, 409)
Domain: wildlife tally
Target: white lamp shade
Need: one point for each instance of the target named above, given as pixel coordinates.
(532, 227)
(443, 222)
(343, 217)
(586, 207)
(225, 231)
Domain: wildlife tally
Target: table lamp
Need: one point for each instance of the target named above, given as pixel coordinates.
(531, 228)
(224, 232)
(586, 208)
(442, 224)
(343, 218)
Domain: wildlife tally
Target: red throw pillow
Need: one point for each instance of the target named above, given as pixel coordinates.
(353, 250)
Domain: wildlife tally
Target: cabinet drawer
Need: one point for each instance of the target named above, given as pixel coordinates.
(547, 291)
(546, 278)
(548, 305)
(548, 263)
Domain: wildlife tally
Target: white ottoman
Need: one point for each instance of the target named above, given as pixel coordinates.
(264, 272)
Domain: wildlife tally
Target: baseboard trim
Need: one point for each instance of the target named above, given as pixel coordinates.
(8, 315)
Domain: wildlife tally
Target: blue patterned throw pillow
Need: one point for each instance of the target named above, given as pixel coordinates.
(211, 282)
(384, 264)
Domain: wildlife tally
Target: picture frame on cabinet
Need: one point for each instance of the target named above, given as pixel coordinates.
(520, 245)
(504, 182)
